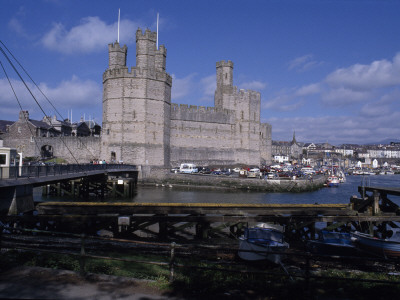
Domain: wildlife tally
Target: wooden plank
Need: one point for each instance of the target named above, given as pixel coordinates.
(191, 208)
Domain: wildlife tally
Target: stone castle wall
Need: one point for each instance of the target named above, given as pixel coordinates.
(71, 148)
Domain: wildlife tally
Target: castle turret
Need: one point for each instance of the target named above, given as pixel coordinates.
(116, 56)
(161, 58)
(223, 94)
(224, 73)
(145, 48)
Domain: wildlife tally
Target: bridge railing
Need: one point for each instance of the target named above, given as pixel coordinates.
(53, 170)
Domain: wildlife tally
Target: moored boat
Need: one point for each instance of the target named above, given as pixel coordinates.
(257, 243)
(388, 247)
(332, 181)
(332, 243)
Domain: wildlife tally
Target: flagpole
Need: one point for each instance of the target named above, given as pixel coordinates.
(118, 23)
(157, 31)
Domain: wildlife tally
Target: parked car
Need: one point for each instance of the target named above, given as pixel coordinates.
(175, 170)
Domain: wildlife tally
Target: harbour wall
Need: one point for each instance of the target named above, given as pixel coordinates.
(160, 177)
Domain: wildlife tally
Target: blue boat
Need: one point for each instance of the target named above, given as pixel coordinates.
(388, 247)
(257, 243)
(332, 243)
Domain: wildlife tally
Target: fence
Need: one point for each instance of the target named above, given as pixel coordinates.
(57, 169)
(78, 245)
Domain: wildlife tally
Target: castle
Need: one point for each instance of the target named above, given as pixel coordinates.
(141, 126)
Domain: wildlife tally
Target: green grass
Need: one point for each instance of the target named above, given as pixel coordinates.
(200, 283)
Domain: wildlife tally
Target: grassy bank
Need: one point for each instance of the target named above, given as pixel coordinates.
(196, 281)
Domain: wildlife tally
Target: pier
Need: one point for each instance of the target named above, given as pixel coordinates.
(16, 192)
(194, 221)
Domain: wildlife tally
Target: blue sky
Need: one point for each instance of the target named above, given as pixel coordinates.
(327, 69)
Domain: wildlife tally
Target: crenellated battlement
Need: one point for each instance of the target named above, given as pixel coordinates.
(161, 50)
(137, 72)
(116, 47)
(147, 35)
(201, 114)
(224, 63)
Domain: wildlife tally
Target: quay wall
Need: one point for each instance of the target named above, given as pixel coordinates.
(162, 176)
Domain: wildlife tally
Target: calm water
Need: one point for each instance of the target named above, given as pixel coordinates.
(340, 194)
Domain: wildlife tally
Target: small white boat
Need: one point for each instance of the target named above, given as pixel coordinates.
(332, 181)
(257, 243)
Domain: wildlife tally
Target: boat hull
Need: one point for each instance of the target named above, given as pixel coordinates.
(378, 246)
(260, 251)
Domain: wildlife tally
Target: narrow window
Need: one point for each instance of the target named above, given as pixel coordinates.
(19, 129)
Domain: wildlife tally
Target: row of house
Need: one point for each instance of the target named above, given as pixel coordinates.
(47, 127)
(296, 151)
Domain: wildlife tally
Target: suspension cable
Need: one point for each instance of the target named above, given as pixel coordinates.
(47, 118)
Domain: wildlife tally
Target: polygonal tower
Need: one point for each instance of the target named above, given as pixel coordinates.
(137, 105)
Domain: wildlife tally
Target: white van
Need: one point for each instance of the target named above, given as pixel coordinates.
(308, 170)
(188, 168)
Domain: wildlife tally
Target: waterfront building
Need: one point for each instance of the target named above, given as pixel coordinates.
(293, 150)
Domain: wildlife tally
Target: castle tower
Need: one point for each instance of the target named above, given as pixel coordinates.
(116, 56)
(137, 105)
(223, 94)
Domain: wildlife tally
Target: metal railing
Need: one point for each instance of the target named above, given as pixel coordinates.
(57, 169)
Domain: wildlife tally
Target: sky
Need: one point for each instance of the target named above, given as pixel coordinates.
(328, 70)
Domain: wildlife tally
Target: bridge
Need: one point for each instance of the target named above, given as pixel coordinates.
(17, 183)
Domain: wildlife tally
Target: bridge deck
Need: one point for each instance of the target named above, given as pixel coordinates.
(99, 208)
(44, 178)
(395, 191)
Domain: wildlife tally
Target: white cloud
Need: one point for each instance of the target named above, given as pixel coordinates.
(74, 92)
(303, 63)
(181, 87)
(378, 74)
(208, 85)
(15, 25)
(310, 89)
(254, 85)
(344, 96)
(70, 94)
(89, 36)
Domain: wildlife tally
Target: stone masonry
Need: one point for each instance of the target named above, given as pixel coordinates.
(141, 126)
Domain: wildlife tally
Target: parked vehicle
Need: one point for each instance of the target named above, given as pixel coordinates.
(175, 170)
(188, 168)
(254, 173)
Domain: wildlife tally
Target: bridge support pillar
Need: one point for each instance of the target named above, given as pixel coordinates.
(17, 199)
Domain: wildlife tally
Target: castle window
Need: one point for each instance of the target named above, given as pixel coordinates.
(32, 140)
(113, 156)
(242, 115)
(240, 128)
(19, 129)
(226, 75)
(108, 131)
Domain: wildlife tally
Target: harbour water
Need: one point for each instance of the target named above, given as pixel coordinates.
(341, 194)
